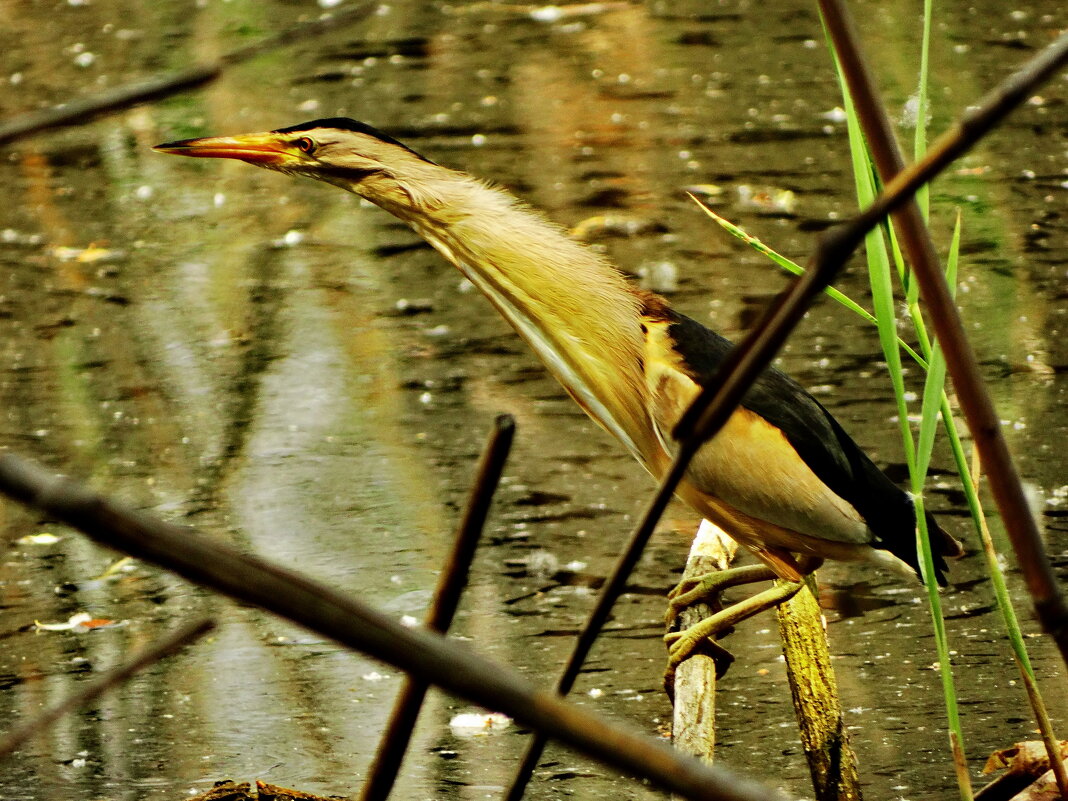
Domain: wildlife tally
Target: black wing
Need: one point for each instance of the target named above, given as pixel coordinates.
(821, 443)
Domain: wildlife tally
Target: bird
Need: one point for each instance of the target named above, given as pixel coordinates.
(782, 477)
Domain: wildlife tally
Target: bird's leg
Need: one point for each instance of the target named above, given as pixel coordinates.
(707, 588)
(682, 644)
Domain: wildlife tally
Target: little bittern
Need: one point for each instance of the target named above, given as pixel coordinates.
(782, 477)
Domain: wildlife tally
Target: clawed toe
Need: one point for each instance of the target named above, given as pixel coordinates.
(708, 588)
(683, 648)
(698, 638)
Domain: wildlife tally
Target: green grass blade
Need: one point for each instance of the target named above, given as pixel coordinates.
(919, 143)
(782, 261)
(935, 404)
(934, 386)
(796, 269)
(997, 577)
(933, 393)
(883, 301)
(882, 289)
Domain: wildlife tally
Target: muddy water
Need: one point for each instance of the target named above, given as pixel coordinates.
(287, 370)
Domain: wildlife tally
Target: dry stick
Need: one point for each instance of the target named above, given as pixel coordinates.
(426, 655)
(85, 109)
(975, 402)
(104, 682)
(717, 401)
(693, 723)
(831, 760)
(402, 721)
(814, 691)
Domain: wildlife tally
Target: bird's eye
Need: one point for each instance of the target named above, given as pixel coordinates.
(305, 145)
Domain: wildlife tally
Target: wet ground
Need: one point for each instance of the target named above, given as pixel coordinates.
(287, 370)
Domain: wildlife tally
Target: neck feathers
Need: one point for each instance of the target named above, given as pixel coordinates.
(575, 309)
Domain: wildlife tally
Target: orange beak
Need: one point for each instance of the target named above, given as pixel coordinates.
(265, 149)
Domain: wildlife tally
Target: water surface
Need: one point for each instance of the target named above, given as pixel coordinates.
(285, 369)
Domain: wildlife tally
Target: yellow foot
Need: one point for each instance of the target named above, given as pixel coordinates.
(683, 644)
(707, 588)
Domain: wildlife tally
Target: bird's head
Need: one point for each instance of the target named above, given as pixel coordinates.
(340, 151)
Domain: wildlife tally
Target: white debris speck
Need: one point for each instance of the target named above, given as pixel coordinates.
(309, 105)
(374, 675)
(836, 114)
(596, 692)
(44, 538)
(910, 112)
(547, 14)
(293, 238)
(409, 621)
(542, 564)
(437, 331)
(660, 276)
(143, 192)
(75, 622)
(85, 59)
(575, 566)
(218, 199)
(478, 140)
(426, 398)
(478, 724)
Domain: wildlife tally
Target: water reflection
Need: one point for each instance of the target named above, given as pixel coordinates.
(224, 346)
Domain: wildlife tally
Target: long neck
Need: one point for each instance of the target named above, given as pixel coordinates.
(574, 309)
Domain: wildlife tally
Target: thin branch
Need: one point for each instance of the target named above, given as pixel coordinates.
(693, 715)
(93, 689)
(453, 579)
(975, 402)
(86, 109)
(428, 656)
(814, 690)
(613, 587)
(717, 401)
